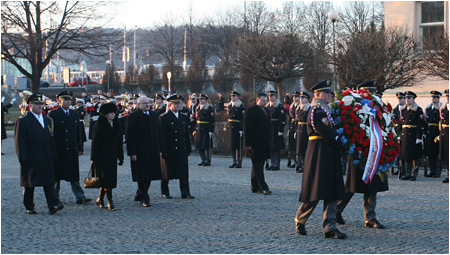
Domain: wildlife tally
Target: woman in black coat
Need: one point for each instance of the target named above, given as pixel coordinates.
(107, 149)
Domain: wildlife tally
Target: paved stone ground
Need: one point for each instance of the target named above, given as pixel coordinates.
(225, 217)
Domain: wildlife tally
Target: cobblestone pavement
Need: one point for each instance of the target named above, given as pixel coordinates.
(225, 217)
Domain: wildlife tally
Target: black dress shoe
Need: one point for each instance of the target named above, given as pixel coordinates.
(166, 196)
(256, 191)
(428, 175)
(267, 192)
(238, 166)
(335, 234)
(56, 208)
(300, 229)
(207, 164)
(145, 204)
(339, 219)
(374, 224)
(413, 178)
(201, 164)
(436, 176)
(269, 168)
(233, 165)
(445, 180)
(100, 203)
(83, 200)
(275, 168)
(187, 196)
(111, 206)
(394, 173)
(30, 212)
(404, 178)
(3, 153)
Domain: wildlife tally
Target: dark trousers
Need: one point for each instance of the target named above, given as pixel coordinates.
(412, 167)
(435, 166)
(292, 156)
(344, 162)
(76, 189)
(204, 155)
(257, 177)
(369, 205)
(50, 196)
(275, 158)
(329, 214)
(237, 157)
(184, 187)
(142, 192)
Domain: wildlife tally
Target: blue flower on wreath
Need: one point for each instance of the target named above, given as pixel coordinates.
(336, 102)
(337, 120)
(365, 102)
(343, 140)
(338, 111)
(351, 149)
(340, 130)
(355, 161)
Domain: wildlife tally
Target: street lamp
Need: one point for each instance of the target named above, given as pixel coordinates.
(108, 65)
(333, 16)
(169, 75)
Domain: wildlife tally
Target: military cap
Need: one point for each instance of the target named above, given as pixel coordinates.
(35, 98)
(369, 85)
(103, 98)
(400, 95)
(272, 92)
(296, 93)
(304, 94)
(66, 94)
(159, 96)
(446, 92)
(322, 86)
(135, 96)
(235, 93)
(175, 98)
(95, 96)
(410, 94)
(118, 97)
(435, 93)
(194, 96)
(79, 100)
(379, 93)
(203, 96)
(107, 108)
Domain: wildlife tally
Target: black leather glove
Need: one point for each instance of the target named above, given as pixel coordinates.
(120, 162)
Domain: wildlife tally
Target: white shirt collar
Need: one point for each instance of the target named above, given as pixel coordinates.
(175, 113)
(40, 118)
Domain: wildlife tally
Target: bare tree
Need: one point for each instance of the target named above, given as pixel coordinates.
(357, 16)
(36, 31)
(146, 78)
(435, 59)
(257, 19)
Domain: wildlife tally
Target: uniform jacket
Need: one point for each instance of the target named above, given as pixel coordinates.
(292, 127)
(301, 118)
(411, 117)
(235, 117)
(257, 132)
(205, 124)
(432, 118)
(443, 135)
(277, 121)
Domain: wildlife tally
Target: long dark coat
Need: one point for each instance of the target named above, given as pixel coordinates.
(175, 145)
(257, 132)
(432, 118)
(301, 117)
(93, 115)
(277, 121)
(160, 109)
(292, 127)
(235, 118)
(35, 148)
(355, 184)
(409, 149)
(4, 109)
(396, 115)
(143, 140)
(82, 112)
(202, 140)
(68, 142)
(107, 148)
(322, 173)
(443, 136)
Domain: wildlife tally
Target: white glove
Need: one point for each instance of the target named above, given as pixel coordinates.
(210, 134)
(241, 133)
(418, 141)
(295, 135)
(13, 100)
(399, 139)
(3, 99)
(280, 133)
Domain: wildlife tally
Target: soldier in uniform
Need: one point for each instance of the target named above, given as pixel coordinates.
(68, 140)
(293, 129)
(411, 119)
(5, 110)
(277, 120)
(176, 148)
(443, 135)
(235, 113)
(82, 113)
(432, 119)
(93, 115)
(301, 117)
(144, 148)
(398, 126)
(257, 142)
(204, 130)
(159, 107)
(35, 147)
(322, 173)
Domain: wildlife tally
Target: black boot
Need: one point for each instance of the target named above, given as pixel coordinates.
(99, 201)
(110, 201)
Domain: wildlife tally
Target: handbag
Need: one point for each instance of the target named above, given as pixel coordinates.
(91, 182)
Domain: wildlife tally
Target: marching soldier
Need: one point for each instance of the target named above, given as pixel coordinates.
(176, 148)
(204, 130)
(277, 120)
(443, 135)
(35, 147)
(235, 113)
(411, 119)
(432, 117)
(301, 117)
(82, 113)
(398, 128)
(322, 176)
(93, 113)
(5, 108)
(159, 107)
(293, 129)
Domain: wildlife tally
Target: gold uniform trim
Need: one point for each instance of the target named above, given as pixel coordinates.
(302, 123)
(433, 124)
(202, 122)
(274, 119)
(231, 120)
(409, 126)
(445, 126)
(315, 137)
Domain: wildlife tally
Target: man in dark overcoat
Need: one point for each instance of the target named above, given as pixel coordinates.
(432, 119)
(35, 147)
(322, 173)
(301, 135)
(82, 112)
(204, 130)
(257, 142)
(235, 111)
(412, 121)
(398, 128)
(443, 135)
(143, 145)
(277, 122)
(94, 114)
(293, 130)
(69, 147)
(176, 148)
(5, 108)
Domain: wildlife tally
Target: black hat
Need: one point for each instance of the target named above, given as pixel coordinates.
(400, 95)
(135, 96)
(296, 93)
(304, 94)
(107, 108)
(35, 98)
(175, 98)
(159, 96)
(410, 94)
(322, 86)
(203, 96)
(379, 93)
(235, 93)
(66, 94)
(271, 93)
(369, 85)
(446, 92)
(435, 93)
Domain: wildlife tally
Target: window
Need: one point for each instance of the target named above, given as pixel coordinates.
(432, 16)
